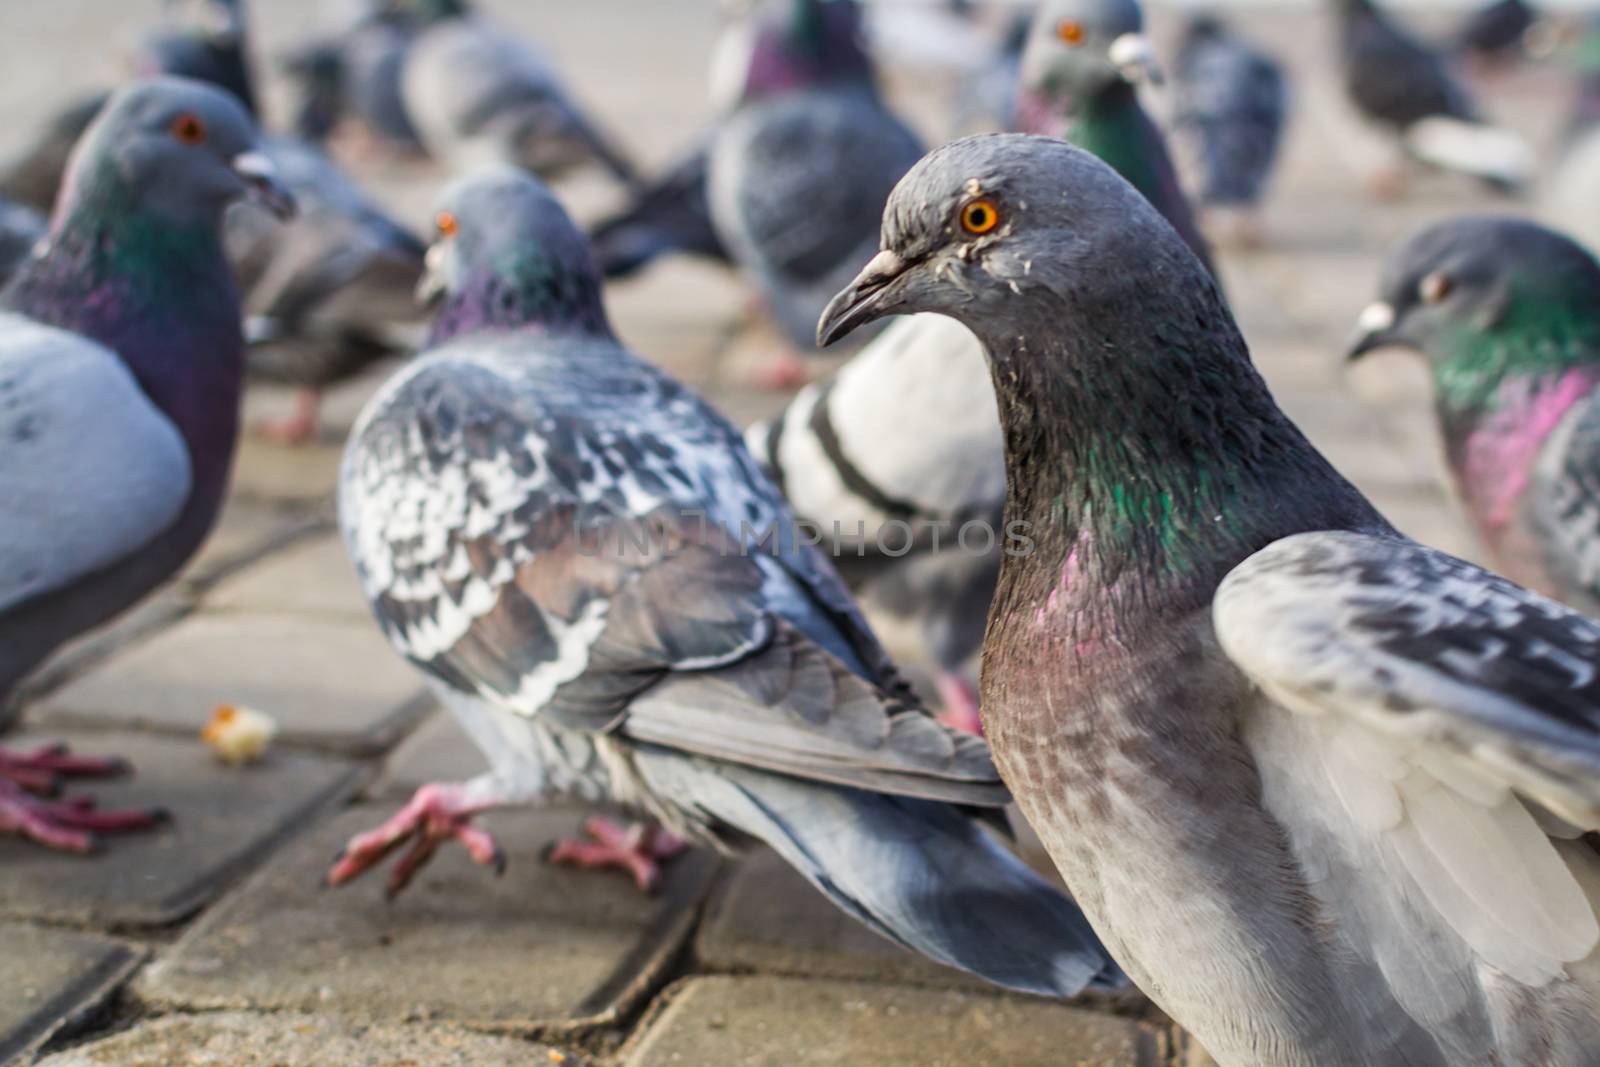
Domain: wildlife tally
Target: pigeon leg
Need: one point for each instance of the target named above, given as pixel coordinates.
(960, 703)
(436, 813)
(297, 427)
(66, 825)
(638, 849)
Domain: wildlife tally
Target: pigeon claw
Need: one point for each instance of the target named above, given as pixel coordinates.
(434, 815)
(639, 850)
(69, 825)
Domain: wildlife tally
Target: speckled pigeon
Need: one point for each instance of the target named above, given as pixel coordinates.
(477, 94)
(120, 367)
(800, 171)
(1506, 313)
(1232, 106)
(1080, 74)
(1322, 790)
(1406, 87)
(607, 592)
(899, 462)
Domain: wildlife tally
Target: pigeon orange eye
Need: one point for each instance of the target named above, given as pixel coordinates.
(979, 216)
(1435, 287)
(1070, 31)
(445, 222)
(188, 128)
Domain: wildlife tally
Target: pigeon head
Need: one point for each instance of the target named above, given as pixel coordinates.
(995, 228)
(171, 152)
(506, 256)
(785, 45)
(1483, 298)
(1080, 49)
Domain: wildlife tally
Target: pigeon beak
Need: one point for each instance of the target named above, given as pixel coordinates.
(862, 300)
(1136, 59)
(1372, 331)
(262, 184)
(433, 284)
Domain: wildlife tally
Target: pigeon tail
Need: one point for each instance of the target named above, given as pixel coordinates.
(921, 873)
(1488, 153)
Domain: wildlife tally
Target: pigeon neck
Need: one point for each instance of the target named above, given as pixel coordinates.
(161, 296)
(534, 296)
(1145, 456)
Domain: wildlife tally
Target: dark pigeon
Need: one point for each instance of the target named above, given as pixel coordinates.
(1322, 790)
(120, 369)
(1496, 31)
(670, 214)
(550, 529)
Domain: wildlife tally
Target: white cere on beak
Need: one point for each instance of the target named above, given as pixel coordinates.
(1375, 318)
(433, 259)
(1133, 55)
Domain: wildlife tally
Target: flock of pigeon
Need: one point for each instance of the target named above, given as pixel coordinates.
(1326, 795)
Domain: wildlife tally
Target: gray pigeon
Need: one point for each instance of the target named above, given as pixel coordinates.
(20, 229)
(606, 591)
(1232, 106)
(899, 463)
(1506, 313)
(800, 171)
(670, 214)
(120, 369)
(476, 94)
(1322, 790)
(1408, 88)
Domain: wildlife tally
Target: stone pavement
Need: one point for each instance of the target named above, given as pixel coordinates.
(210, 941)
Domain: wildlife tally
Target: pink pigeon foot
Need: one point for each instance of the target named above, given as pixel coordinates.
(960, 704)
(297, 427)
(783, 372)
(28, 779)
(436, 813)
(638, 849)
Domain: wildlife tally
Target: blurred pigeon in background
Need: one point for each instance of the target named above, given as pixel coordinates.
(1080, 74)
(1406, 87)
(800, 170)
(120, 369)
(1232, 104)
(477, 94)
(1328, 794)
(20, 229)
(898, 461)
(1496, 32)
(356, 75)
(670, 214)
(1506, 313)
(550, 528)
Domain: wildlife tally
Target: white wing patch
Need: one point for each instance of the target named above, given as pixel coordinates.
(93, 470)
(1452, 814)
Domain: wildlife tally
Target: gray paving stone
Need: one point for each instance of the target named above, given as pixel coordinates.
(240, 1039)
(313, 577)
(542, 949)
(286, 473)
(793, 1022)
(329, 681)
(52, 980)
(224, 820)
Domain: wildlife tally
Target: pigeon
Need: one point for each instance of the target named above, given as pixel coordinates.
(1408, 88)
(476, 94)
(1322, 790)
(800, 170)
(120, 368)
(1080, 72)
(1497, 31)
(356, 75)
(898, 462)
(20, 229)
(670, 214)
(1232, 106)
(1504, 311)
(605, 590)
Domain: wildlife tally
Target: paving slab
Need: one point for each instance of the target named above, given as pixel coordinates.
(332, 682)
(797, 1022)
(288, 474)
(540, 950)
(224, 821)
(768, 919)
(312, 577)
(240, 1039)
(54, 980)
